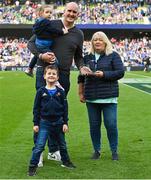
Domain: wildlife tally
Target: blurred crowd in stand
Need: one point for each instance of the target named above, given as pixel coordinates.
(96, 13)
(14, 52)
(133, 52)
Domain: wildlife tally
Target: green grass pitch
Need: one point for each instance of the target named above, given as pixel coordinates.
(134, 122)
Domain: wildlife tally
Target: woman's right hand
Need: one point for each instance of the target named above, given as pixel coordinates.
(82, 98)
(81, 92)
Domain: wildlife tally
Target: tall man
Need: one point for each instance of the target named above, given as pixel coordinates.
(65, 48)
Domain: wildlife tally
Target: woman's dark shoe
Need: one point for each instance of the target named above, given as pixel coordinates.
(96, 155)
(115, 156)
(32, 170)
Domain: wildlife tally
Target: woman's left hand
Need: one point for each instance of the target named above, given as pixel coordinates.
(99, 74)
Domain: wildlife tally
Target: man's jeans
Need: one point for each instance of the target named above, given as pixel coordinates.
(51, 130)
(109, 111)
(40, 82)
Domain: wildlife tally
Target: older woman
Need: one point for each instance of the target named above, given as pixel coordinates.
(99, 89)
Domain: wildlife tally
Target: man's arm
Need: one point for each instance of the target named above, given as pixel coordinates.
(78, 56)
(48, 57)
(32, 47)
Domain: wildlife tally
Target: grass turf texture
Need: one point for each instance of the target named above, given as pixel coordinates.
(134, 121)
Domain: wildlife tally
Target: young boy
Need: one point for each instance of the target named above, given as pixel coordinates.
(45, 32)
(50, 119)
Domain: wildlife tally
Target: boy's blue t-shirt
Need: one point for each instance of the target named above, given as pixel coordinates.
(52, 91)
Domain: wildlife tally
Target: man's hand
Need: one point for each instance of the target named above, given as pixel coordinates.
(85, 70)
(36, 129)
(65, 128)
(48, 57)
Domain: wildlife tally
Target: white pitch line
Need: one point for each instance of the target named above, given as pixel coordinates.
(139, 75)
(137, 89)
(134, 87)
(136, 80)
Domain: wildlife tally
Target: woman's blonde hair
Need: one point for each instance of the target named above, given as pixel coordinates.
(104, 38)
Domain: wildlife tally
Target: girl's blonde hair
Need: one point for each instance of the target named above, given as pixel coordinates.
(102, 35)
(41, 8)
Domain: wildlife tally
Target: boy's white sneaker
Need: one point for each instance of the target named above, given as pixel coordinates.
(40, 164)
(54, 156)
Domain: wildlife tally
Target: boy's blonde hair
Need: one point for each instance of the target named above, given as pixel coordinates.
(102, 35)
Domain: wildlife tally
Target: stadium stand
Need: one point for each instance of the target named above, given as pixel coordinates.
(15, 55)
(91, 13)
(126, 22)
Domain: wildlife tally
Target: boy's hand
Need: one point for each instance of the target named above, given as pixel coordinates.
(36, 128)
(65, 128)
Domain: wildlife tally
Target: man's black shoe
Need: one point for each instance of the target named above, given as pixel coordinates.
(68, 164)
(32, 170)
(115, 156)
(96, 155)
